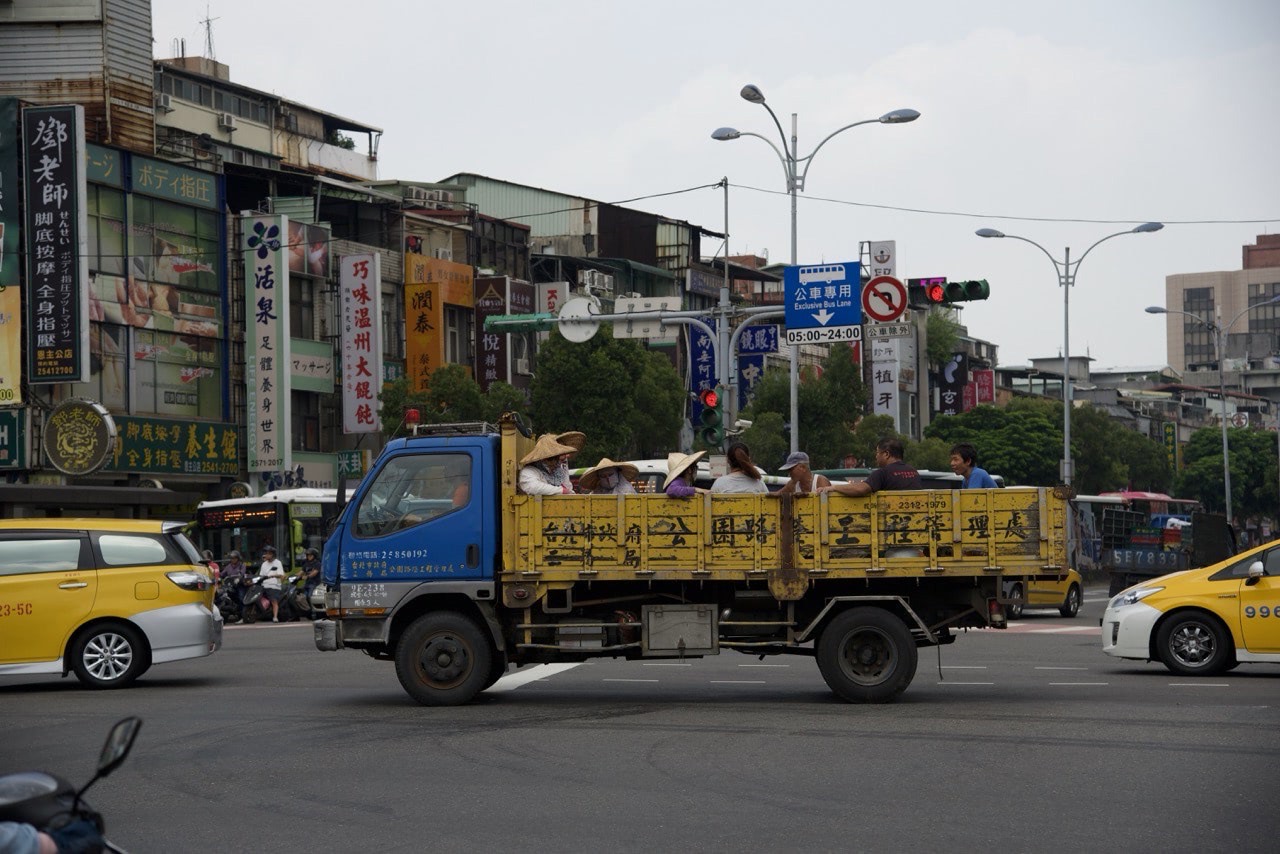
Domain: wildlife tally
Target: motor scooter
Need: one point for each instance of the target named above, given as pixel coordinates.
(257, 605)
(50, 803)
(229, 600)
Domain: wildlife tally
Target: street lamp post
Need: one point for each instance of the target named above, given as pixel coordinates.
(1219, 332)
(1067, 270)
(791, 161)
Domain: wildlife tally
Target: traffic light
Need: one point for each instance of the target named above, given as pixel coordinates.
(975, 289)
(712, 432)
(923, 293)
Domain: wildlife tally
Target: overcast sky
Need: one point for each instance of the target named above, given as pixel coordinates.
(1059, 122)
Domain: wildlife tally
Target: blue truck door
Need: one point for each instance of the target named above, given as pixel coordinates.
(420, 518)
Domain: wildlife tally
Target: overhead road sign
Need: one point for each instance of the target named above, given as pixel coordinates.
(824, 303)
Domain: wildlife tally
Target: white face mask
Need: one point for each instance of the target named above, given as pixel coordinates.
(609, 479)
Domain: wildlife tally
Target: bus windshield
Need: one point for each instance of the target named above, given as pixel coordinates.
(292, 520)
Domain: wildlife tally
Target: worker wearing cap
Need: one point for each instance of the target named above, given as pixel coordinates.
(803, 480)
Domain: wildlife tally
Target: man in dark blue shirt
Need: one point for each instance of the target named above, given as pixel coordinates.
(964, 462)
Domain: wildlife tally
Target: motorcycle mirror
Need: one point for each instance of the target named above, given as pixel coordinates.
(119, 743)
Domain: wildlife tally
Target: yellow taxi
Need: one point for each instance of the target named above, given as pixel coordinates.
(1201, 621)
(103, 598)
(1064, 593)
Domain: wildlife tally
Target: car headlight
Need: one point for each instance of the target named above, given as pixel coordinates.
(1134, 594)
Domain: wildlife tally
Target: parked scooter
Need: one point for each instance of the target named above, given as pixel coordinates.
(54, 806)
(229, 599)
(257, 605)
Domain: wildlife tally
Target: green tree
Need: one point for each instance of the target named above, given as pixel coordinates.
(453, 395)
(1253, 472)
(629, 401)
(929, 453)
(395, 397)
(767, 441)
(868, 432)
(942, 334)
(1022, 442)
(503, 397)
(830, 405)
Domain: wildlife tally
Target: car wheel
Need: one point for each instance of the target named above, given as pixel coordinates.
(444, 659)
(867, 655)
(110, 655)
(1194, 644)
(1071, 605)
(1013, 611)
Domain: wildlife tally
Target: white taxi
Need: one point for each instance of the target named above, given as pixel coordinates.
(1201, 621)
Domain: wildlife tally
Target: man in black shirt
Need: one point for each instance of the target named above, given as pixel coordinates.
(892, 473)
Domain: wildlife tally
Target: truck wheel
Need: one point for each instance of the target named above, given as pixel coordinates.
(867, 655)
(496, 671)
(443, 659)
(1014, 610)
(1194, 644)
(110, 655)
(1071, 605)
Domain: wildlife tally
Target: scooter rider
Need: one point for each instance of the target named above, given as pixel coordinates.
(272, 577)
(310, 573)
(234, 567)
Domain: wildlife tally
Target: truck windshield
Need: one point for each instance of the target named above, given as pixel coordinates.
(410, 490)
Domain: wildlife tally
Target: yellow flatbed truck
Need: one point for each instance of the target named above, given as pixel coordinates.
(455, 585)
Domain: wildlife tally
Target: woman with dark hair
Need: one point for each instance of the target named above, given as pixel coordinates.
(743, 476)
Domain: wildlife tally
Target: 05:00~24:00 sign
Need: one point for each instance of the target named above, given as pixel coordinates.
(824, 336)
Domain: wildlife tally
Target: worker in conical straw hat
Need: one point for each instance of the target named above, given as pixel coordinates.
(574, 439)
(539, 473)
(681, 469)
(608, 478)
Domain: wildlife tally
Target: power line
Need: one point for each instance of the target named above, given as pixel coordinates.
(972, 215)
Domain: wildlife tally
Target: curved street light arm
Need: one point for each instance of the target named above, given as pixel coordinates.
(1207, 324)
(1057, 265)
(1076, 263)
(786, 165)
(808, 159)
(781, 133)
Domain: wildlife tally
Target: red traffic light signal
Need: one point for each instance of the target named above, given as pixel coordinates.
(709, 398)
(922, 293)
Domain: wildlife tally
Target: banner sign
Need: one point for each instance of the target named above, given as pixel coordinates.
(166, 446)
(311, 365)
(56, 229)
(953, 378)
(10, 295)
(491, 356)
(176, 183)
(884, 377)
(267, 345)
(360, 304)
(14, 434)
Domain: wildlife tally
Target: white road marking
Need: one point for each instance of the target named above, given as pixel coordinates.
(666, 664)
(964, 667)
(1063, 630)
(737, 682)
(764, 665)
(1199, 685)
(966, 683)
(1061, 668)
(1076, 684)
(525, 675)
(608, 679)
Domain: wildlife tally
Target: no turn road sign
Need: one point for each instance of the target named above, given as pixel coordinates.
(884, 299)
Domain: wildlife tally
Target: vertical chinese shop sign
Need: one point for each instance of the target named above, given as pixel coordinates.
(56, 229)
(423, 320)
(266, 315)
(10, 297)
(360, 286)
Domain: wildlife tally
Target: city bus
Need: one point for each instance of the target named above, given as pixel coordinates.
(292, 520)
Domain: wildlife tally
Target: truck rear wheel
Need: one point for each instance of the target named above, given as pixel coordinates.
(443, 659)
(867, 655)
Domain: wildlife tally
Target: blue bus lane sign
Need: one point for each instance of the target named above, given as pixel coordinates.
(824, 303)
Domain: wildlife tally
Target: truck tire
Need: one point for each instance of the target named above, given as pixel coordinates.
(1194, 644)
(443, 659)
(867, 655)
(1071, 605)
(496, 671)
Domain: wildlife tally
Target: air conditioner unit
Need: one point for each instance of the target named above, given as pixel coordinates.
(227, 121)
(604, 282)
(587, 278)
(443, 254)
(416, 194)
(164, 101)
(522, 367)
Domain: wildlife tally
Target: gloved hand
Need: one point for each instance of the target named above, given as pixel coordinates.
(79, 837)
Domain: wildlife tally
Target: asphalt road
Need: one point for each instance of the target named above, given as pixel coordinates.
(1027, 740)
